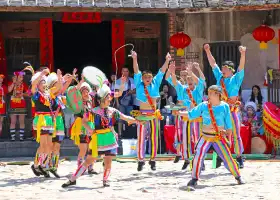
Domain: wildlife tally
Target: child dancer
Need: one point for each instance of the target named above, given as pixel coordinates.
(103, 137)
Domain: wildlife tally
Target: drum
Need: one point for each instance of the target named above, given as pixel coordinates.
(271, 122)
(74, 99)
(94, 76)
(258, 145)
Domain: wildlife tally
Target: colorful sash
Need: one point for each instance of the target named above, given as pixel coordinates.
(233, 104)
(189, 92)
(157, 112)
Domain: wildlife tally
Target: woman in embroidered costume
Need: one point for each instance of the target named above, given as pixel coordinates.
(3, 94)
(18, 89)
(251, 119)
(230, 84)
(79, 133)
(216, 119)
(44, 121)
(103, 137)
(147, 92)
(192, 94)
(54, 84)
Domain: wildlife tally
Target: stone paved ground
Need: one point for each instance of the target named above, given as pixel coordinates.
(168, 182)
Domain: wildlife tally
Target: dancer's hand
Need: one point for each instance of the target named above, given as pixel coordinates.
(133, 55)
(58, 73)
(172, 67)
(242, 49)
(168, 57)
(14, 79)
(195, 65)
(46, 71)
(206, 47)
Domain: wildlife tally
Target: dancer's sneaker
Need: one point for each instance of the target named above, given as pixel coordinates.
(68, 183)
(191, 185)
(240, 181)
(240, 162)
(44, 172)
(53, 170)
(21, 138)
(152, 163)
(35, 170)
(177, 159)
(106, 184)
(140, 165)
(186, 164)
(92, 171)
(13, 138)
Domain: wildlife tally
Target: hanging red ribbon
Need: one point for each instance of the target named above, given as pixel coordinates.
(118, 40)
(3, 60)
(81, 17)
(46, 43)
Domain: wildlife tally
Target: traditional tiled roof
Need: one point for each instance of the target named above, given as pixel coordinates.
(137, 3)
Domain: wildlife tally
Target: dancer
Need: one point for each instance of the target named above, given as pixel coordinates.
(216, 123)
(180, 102)
(3, 94)
(19, 90)
(192, 94)
(230, 84)
(43, 121)
(79, 133)
(147, 92)
(103, 138)
(54, 84)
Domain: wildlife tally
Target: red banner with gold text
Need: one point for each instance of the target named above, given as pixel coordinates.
(118, 40)
(46, 43)
(3, 61)
(81, 17)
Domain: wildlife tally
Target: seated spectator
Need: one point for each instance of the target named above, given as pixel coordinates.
(251, 119)
(256, 97)
(164, 100)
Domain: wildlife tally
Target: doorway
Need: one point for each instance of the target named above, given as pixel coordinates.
(79, 45)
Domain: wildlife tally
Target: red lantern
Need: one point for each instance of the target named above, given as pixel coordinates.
(180, 41)
(263, 34)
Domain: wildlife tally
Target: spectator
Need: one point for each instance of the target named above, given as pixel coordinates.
(165, 99)
(126, 92)
(113, 82)
(256, 97)
(251, 119)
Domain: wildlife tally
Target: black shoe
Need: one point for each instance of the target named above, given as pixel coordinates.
(54, 172)
(240, 181)
(219, 162)
(203, 167)
(186, 163)
(153, 165)
(177, 159)
(44, 172)
(106, 184)
(140, 165)
(240, 162)
(92, 172)
(35, 171)
(68, 183)
(191, 184)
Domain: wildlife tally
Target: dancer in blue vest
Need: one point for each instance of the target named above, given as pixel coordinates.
(230, 84)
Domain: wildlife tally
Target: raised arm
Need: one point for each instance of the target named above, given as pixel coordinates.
(201, 75)
(68, 82)
(165, 65)
(57, 90)
(171, 70)
(135, 62)
(36, 81)
(211, 59)
(242, 51)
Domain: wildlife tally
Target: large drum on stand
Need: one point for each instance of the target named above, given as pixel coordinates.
(260, 145)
